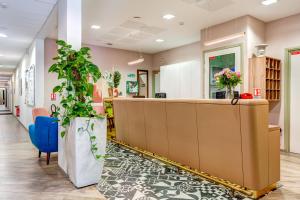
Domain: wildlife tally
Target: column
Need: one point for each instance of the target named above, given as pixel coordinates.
(69, 30)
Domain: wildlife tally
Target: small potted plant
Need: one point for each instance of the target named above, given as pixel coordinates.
(117, 79)
(113, 82)
(110, 82)
(228, 79)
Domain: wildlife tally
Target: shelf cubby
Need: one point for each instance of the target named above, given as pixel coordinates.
(265, 73)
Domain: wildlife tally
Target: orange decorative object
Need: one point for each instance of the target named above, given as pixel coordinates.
(116, 92)
(39, 112)
(97, 96)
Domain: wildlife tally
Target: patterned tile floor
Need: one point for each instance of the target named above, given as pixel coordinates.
(127, 176)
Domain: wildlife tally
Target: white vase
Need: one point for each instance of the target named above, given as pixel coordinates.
(81, 165)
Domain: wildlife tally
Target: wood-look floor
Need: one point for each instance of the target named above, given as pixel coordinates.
(25, 177)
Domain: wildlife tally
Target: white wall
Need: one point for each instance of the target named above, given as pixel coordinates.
(34, 56)
(281, 34)
(181, 80)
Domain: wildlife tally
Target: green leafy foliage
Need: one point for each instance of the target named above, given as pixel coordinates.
(77, 75)
(112, 79)
(117, 79)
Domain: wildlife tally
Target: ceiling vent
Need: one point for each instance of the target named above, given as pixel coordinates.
(210, 5)
(131, 32)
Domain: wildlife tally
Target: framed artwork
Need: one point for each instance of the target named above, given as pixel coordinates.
(29, 86)
(131, 87)
(20, 86)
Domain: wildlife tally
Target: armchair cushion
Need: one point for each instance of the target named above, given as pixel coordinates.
(44, 134)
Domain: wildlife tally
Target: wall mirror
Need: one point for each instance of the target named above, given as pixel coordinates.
(143, 83)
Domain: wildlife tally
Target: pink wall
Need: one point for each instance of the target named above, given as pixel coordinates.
(106, 59)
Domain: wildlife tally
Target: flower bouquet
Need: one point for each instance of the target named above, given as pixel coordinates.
(228, 79)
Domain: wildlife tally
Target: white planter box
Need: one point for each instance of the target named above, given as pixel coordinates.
(77, 159)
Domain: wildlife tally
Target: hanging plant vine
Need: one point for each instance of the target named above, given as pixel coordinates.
(77, 75)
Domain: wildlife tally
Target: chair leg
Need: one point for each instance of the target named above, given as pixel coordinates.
(40, 154)
(48, 158)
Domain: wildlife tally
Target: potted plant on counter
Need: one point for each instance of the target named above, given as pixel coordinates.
(113, 82)
(228, 79)
(117, 79)
(110, 82)
(84, 134)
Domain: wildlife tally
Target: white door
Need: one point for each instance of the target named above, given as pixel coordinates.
(295, 103)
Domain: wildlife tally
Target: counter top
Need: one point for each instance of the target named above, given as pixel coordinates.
(200, 101)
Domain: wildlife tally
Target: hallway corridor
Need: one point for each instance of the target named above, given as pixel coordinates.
(24, 176)
(4, 110)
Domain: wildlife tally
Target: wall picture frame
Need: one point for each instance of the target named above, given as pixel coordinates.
(30, 85)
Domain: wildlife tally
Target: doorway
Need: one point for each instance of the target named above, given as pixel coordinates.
(292, 99)
(143, 83)
(216, 60)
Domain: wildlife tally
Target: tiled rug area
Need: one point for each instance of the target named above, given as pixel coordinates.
(129, 176)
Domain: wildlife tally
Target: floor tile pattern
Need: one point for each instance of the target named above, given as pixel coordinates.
(130, 176)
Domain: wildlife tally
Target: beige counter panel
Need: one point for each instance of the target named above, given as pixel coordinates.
(274, 154)
(212, 136)
(255, 143)
(182, 133)
(121, 120)
(220, 141)
(136, 122)
(156, 127)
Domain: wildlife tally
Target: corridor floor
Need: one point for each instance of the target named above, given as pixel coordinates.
(24, 176)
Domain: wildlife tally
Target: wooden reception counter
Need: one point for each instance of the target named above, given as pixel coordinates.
(231, 142)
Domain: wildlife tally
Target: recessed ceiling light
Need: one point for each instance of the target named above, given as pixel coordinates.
(268, 2)
(3, 35)
(168, 16)
(159, 40)
(96, 27)
(3, 5)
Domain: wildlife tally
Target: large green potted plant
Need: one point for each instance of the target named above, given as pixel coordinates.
(83, 133)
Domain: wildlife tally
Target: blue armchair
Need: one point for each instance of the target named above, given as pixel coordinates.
(44, 135)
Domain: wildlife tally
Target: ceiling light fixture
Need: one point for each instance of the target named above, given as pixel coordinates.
(96, 27)
(159, 40)
(138, 61)
(268, 2)
(3, 35)
(168, 16)
(224, 39)
(3, 5)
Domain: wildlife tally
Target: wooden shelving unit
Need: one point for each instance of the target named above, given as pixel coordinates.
(265, 73)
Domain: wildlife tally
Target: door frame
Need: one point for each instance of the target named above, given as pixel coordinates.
(205, 72)
(287, 97)
(138, 80)
(154, 72)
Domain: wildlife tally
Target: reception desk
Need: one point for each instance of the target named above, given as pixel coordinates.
(231, 142)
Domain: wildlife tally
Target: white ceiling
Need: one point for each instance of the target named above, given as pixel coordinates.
(118, 27)
(20, 21)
